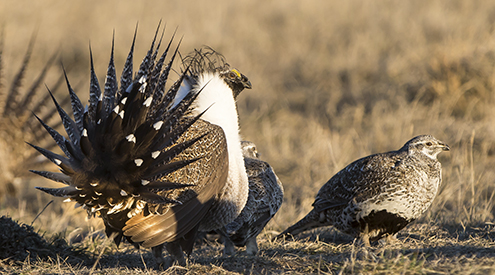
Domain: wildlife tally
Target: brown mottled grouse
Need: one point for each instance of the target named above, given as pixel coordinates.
(156, 165)
(265, 197)
(378, 195)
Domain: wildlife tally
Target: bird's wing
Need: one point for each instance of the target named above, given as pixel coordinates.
(208, 174)
(356, 182)
(266, 191)
(130, 155)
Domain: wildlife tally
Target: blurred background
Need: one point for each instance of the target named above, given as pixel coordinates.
(333, 81)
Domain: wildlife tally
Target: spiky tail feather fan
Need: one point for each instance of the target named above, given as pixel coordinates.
(123, 145)
(16, 104)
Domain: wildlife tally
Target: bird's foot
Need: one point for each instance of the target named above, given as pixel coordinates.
(229, 248)
(366, 253)
(251, 247)
(364, 249)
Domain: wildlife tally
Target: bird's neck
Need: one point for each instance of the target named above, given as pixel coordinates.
(217, 98)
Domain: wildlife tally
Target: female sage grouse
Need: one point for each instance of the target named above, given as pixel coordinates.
(378, 195)
(155, 165)
(265, 197)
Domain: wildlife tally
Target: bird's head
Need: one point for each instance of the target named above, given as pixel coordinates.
(249, 149)
(427, 145)
(236, 81)
(207, 60)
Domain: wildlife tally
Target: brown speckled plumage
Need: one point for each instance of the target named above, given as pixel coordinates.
(380, 194)
(265, 197)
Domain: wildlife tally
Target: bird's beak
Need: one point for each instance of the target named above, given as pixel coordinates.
(444, 146)
(247, 84)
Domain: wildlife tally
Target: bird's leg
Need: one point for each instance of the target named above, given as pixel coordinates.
(251, 246)
(366, 252)
(392, 239)
(365, 238)
(229, 248)
(176, 254)
(201, 238)
(157, 253)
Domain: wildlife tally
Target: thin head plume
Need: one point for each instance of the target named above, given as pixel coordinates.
(205, 59)
(11, 103)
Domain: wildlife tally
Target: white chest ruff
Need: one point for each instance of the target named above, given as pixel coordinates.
(217, 99)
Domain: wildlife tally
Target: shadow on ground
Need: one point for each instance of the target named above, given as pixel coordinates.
(322, 249)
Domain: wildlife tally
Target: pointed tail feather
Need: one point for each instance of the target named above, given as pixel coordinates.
(310, 221)
(122, 149)
(12, 101)
(31, 92)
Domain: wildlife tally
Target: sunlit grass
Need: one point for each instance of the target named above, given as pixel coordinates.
(332, 82)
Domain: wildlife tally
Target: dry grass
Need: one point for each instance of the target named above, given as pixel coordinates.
(332, 82)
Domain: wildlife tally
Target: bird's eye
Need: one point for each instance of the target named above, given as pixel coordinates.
(429, 144)
(232, 75)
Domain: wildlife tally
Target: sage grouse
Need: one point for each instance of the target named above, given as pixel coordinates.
(378, 195)
(155, 165)
(265, 197)
(16, 103)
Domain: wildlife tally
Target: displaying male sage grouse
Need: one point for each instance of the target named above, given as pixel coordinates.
(265, 197)
(378, 195)
(155, 165)
(16, 104)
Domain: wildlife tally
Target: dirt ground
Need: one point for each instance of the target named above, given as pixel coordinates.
(332, 82)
